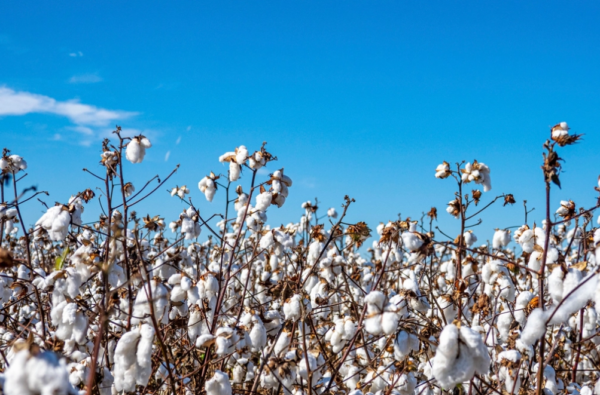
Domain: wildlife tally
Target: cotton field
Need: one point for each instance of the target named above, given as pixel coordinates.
(220, 304)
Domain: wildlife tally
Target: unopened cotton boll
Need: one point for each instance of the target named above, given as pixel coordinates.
(136, 149)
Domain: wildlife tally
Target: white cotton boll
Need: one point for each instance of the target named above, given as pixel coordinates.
(136, 149)
(572, 279)
(469, 238)
(410, 239)
(263, 201)
(219, 384)
(267, 240)
(234, 171)
(406, 384)
(526, 240)
(451, 366)
(555, 284)
(389, 322)
(501, 238)
(332, 213)
(352, 378)
(144, 355)
(560, 130)
(241, 155)
(42, 374)
(535, 327)
(207, 187)
(258, 334)
(282, 344)
(522, 301)
(375, 300)
(503, 324)
(576, 300)
(195, 325)
(207, 339)
(292, 308)
(125, 361)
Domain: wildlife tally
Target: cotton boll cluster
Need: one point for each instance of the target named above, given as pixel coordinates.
(180, 191)
(478, 173)
(136, 149)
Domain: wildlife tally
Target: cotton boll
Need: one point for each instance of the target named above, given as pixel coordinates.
(136, 149)
(555, 284)
(410, 239)
(144, 355)
(208, 188)
(41, 374)
(469, 238)
(241, 155)
(219, 384)
(501, 238)
(234, 171)
(576, 298)
(451, 366)
(258, 334)
(535, 327)
(263, 201)
(292, 308)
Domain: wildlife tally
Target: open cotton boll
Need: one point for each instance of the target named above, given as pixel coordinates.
(234, 171)
(219, 384)
(469, 238)
(510, 359)
(403, 344)
(555, 284)
(241, 155)
(410, 239)
(501, 238)
(263, 201)
(207, 187)
(292, 308)
(136, 149)
(535, 326)
(42, 374)
(575, 295)
(460, 354)
(141, 306)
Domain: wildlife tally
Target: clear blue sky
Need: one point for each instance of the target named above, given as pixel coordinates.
(359, 98)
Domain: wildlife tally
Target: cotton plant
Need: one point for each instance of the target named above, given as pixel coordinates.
(232, 302)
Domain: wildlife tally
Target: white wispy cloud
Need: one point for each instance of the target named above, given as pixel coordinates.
(90, 78)
(167, 155)
(76, 54)
(16, 103)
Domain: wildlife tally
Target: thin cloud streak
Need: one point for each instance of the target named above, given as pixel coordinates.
(18, 103)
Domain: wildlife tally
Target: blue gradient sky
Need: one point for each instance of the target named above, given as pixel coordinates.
(358, 98)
